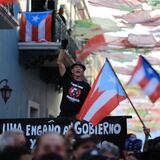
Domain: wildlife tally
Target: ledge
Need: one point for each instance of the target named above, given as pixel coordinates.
(38, 46)
(7, 19)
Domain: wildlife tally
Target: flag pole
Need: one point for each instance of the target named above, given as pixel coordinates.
(127, 95)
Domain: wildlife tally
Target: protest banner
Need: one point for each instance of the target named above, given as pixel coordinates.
(113, 129)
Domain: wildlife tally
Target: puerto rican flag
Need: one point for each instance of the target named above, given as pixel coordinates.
(7, 1)
(104, 96)
(147, 78)
(36, 26)
(92, 45)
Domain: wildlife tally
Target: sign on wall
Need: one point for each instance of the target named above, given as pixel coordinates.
(113, 129)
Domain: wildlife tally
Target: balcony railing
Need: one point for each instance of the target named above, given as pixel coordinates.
(7, 18)
(9, 8)
(63, 33)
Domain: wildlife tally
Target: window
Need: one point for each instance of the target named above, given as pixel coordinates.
(33, 110)
(42, 5)
(37, 5)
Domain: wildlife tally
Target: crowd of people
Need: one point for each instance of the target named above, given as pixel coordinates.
(53, 146)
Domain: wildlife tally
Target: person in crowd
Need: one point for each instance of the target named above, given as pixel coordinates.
(69, 140)
(5, 141)
(61, 12)
(15, 153)
(132, 156)
(92, 154)
(49, 143)
(133, 147)
(12, 138)
(75, 88)
(81, 144)
(109, 150)
(153, 152)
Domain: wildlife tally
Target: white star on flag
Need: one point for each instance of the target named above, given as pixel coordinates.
(35, 18)
(150, 71)
(112, 80)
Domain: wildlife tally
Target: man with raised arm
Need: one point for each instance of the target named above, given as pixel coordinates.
(75, 89)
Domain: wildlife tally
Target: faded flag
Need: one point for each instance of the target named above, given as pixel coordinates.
(147, 78)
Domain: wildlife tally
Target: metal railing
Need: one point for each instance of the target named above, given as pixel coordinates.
(9, 8)
(63, 33)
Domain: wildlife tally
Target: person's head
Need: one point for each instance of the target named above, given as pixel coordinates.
(92, 154)
(130, 155)
(50, 143)
(61, 9)
(18, 136)
(12, 138)
(109, 150)
(78, 69)
(131, 136)
(82, 144)
(16, 153)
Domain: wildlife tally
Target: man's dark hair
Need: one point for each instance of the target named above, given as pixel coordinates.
(14, 152)
(79, 140)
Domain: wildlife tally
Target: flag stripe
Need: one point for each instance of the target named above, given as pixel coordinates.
(28, 28)
(41, 31)
(34, 33)
(93, 93)
(144, 82)
(87, 104)
(138, 76)
(98, 104)
(156, 94)
(22, 28)
(151, 86)
(106, 109)
(7, 1)
(48, 28)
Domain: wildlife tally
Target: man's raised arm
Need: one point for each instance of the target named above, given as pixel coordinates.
(61, 57)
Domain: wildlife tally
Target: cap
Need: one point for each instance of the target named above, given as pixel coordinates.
(79, 140)
(62, 6)
(79, 64)
(92, 154)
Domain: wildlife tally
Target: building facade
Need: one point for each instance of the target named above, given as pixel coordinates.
(31, 68)
(32, 95)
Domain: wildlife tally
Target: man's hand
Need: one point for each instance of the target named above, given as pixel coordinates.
(64, 44)
(61, 57)
(146, 131)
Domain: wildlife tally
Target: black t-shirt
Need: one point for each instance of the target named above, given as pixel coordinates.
(74, 95)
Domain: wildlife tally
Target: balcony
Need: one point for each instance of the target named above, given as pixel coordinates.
(7, 20)
(44, 55)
